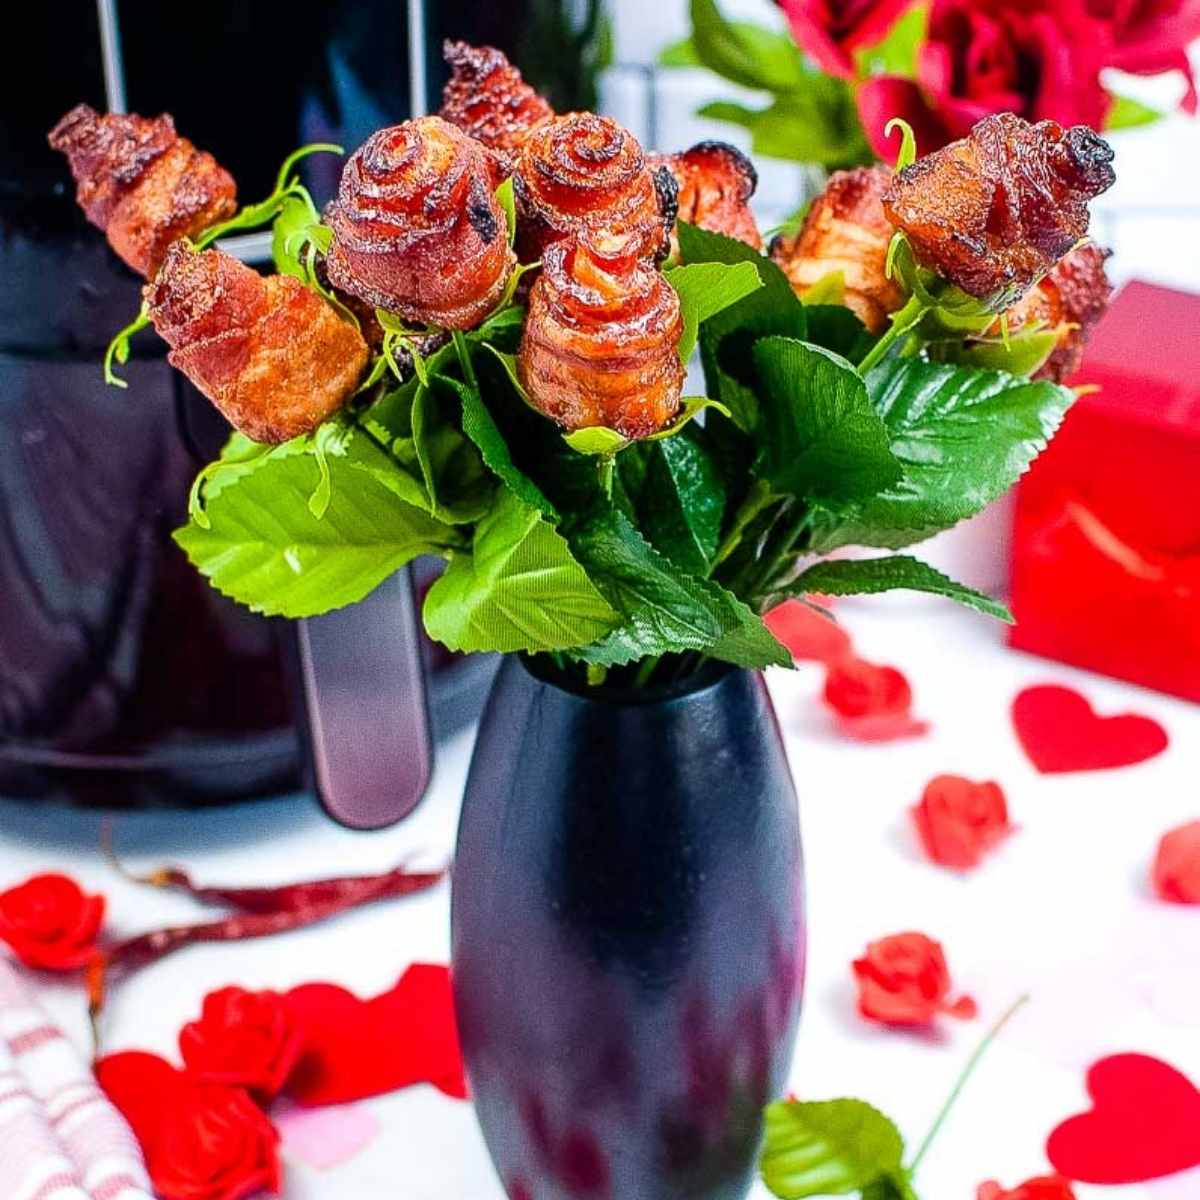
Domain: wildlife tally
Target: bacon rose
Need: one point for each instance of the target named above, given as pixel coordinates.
(600, 341)
(417, 229)
(582, 172)
(487, 98)
(715, 182)
(846, 230)
(994, 212)
(141, 183)
(271, 354)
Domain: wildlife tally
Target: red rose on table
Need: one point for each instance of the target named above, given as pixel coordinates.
(1177, 865)
(857, 688)
(50, 922)
(1045, 1187)
(830, 30)
(202, 1141)
(904, 980)
(958, 820)
(247, 1039)
(1151, 36)
(987, 56)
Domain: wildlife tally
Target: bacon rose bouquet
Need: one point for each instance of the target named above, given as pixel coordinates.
(479, 351)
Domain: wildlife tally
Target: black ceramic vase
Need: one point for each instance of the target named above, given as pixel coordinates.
(628, 931)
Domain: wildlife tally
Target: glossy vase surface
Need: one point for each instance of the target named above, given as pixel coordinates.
(628, 931)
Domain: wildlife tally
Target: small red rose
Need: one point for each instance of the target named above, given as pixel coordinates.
(1177, 865)
(959, 820)
(246, 1039)
(1044, 1187)
(857, 688)
(903, 980)
(202, 1141)
(50, 922)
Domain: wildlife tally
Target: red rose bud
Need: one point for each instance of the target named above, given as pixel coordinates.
(1045, 1187)
(1177, 865)
(245, 1039)
(202, 1141)
(959, 820)
(903, 980)
(50, 922)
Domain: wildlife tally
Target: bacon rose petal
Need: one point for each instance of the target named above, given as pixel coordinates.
(271, 354)
(584, 172)
(487, 98)
(142, 183)
(417, 229)
(846, 230)
(600, 345)
(995, 211)
(716, 181)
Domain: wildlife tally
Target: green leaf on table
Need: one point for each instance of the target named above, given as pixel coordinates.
(858, 577)
(705, 289)
(963, 437)
(828, 1148)
(821, 436)
(747, 54)
(518, 589)
(1128, 113)
(662, 610)
(726, 338)
(264, 547)
(896, 52)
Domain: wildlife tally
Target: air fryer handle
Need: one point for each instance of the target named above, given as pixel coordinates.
(362, 684)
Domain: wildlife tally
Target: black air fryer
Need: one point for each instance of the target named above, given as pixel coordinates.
(124, 678)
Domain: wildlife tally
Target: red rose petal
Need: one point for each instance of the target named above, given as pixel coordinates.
(1144, 1124)
(50, 922)
(886, 727)
(357, 1048)
(1060, 732)
(808, 634)
(1176, 871)
(856, 688)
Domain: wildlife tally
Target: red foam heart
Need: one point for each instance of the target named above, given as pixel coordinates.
(1144, 1124)
(357, 1048)
(1060, 731)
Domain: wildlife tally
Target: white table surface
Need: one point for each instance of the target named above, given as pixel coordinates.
(1063, 910)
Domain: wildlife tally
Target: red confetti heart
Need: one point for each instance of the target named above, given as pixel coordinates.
(1144, 1124)
(357, 1048)
(1061, 732)
(808, 634)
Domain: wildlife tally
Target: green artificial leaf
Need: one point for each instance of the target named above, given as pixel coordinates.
(838, 329)
(510, 318)
(289, 236)
(821, 437)
(118, 348)
(963, 437)
(1127, 113)
(458, 488)
(907, 154)
(663, 611)
(1022, 354)
(705, 289)
(596, 439)
(518, 589)
(896, 1186)
(830, 290)
(828, 1148)
(507, 201)
(726, 339)
(896, 53)
(856, 577)
(680, 54)
(266, 549)
(744, 53)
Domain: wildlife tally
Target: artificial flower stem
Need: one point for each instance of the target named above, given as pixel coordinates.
(902, 321)
(963, 1078)
(464, 358)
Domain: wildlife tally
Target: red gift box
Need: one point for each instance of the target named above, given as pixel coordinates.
(1106, 547)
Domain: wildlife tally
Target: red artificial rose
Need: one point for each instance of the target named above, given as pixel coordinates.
(50, 922)
(1045, 1187)
(830, 30)
(1039, 60)
(247, 1039)
(958, 820)
(1177, 865)
(201, 1141)
(1151, 36)
(904, 980)
(857, 688)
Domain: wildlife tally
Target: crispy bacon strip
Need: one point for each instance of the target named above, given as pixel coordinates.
(417, 229)
(1073, 296)
(271, 354)
(141, 183)
(996, 210)
(584, 172)
(716, 181)
(846, 230)
(600, 345)
(487, 98)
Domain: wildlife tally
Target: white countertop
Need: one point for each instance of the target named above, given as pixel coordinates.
(1062, 910)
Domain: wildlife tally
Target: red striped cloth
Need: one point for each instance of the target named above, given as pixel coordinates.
(60, 1137)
